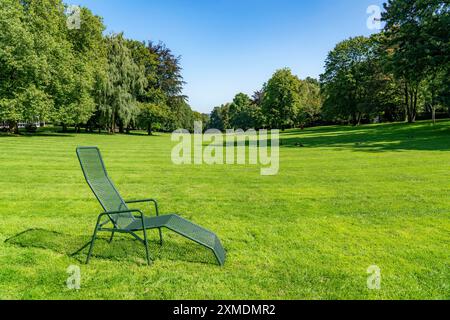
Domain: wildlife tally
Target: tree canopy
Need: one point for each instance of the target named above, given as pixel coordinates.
(80, 77)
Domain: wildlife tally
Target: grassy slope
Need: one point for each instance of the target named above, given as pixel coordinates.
(348, 199)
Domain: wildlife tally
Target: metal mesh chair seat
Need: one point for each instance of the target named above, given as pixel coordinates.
(123, 218)
(185, 228)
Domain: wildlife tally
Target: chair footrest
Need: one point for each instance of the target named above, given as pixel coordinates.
(184, 228)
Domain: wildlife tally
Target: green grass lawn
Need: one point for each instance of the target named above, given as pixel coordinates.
(348, 199)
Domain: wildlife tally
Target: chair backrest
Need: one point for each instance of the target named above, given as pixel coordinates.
(96, 176)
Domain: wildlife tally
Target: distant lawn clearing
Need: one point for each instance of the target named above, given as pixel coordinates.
(348, 199)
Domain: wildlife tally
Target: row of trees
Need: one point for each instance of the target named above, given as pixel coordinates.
(283, 102)
(390, 76)
(79, 77)
(396, 73)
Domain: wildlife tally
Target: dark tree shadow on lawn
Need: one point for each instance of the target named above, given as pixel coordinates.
(121, 249)
(377, 138)
(36, 135)
(51, 132)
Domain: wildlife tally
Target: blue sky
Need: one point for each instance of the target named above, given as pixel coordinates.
(231, 46)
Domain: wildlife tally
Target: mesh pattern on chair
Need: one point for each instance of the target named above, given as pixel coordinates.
(197, 233)
(185, 228)
(103, 188)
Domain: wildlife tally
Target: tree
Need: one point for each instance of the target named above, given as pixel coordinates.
(258, 96)
(22, 77)
(149, 61)
(151, 114)
(182, 114)
(219, 118)
(125, 81)
(166, 70)
(164, 83)
(354, 83)
(311, 101)
(244, 113)
(77, 76)
(240, 116)
(201, 117)
(282, 101)
(417, 39)
(435, 93)
(91, 63)
(61, 72)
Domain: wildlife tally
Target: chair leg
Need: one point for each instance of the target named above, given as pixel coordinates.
(92, 244)
(112, 237)
(146, 247)
(160, 237)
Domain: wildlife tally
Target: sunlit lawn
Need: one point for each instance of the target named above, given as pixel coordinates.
(347, 199)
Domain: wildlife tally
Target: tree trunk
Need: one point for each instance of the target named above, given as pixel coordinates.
(433, 108)
(414, 106)
(410, 109)
(149, 130)
(433, 114)
(406, 103)
(113, 124)
(354, 119)
(411, 103)
(13, 127)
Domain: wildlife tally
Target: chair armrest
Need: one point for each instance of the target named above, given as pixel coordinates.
(108, 213)
(112, 213)
(145, 200)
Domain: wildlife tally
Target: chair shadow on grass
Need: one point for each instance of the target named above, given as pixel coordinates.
(121, 249)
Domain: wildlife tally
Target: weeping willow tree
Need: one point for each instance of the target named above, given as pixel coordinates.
(74, 76)
(125, 80)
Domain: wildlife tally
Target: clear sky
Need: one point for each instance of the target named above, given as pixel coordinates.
(231, 46)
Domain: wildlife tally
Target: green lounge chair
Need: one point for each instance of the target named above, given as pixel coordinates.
(122, 219)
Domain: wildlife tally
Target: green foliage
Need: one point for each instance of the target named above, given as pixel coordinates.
(342, 79)
(163, 86)
(79, 76)
(286, 101)
(355, 83)
(282, 102)
(418, 31)
(167, 70)
(33, 104)
(417, 39)
(46, 20)
(125, 81)
(243, 113)
(182, 116)
(390, 76)
(220, 118)
(151, 115)
(22, 75)
(311, 102)
(91, 55)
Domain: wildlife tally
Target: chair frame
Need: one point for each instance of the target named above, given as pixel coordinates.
(136, 213)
